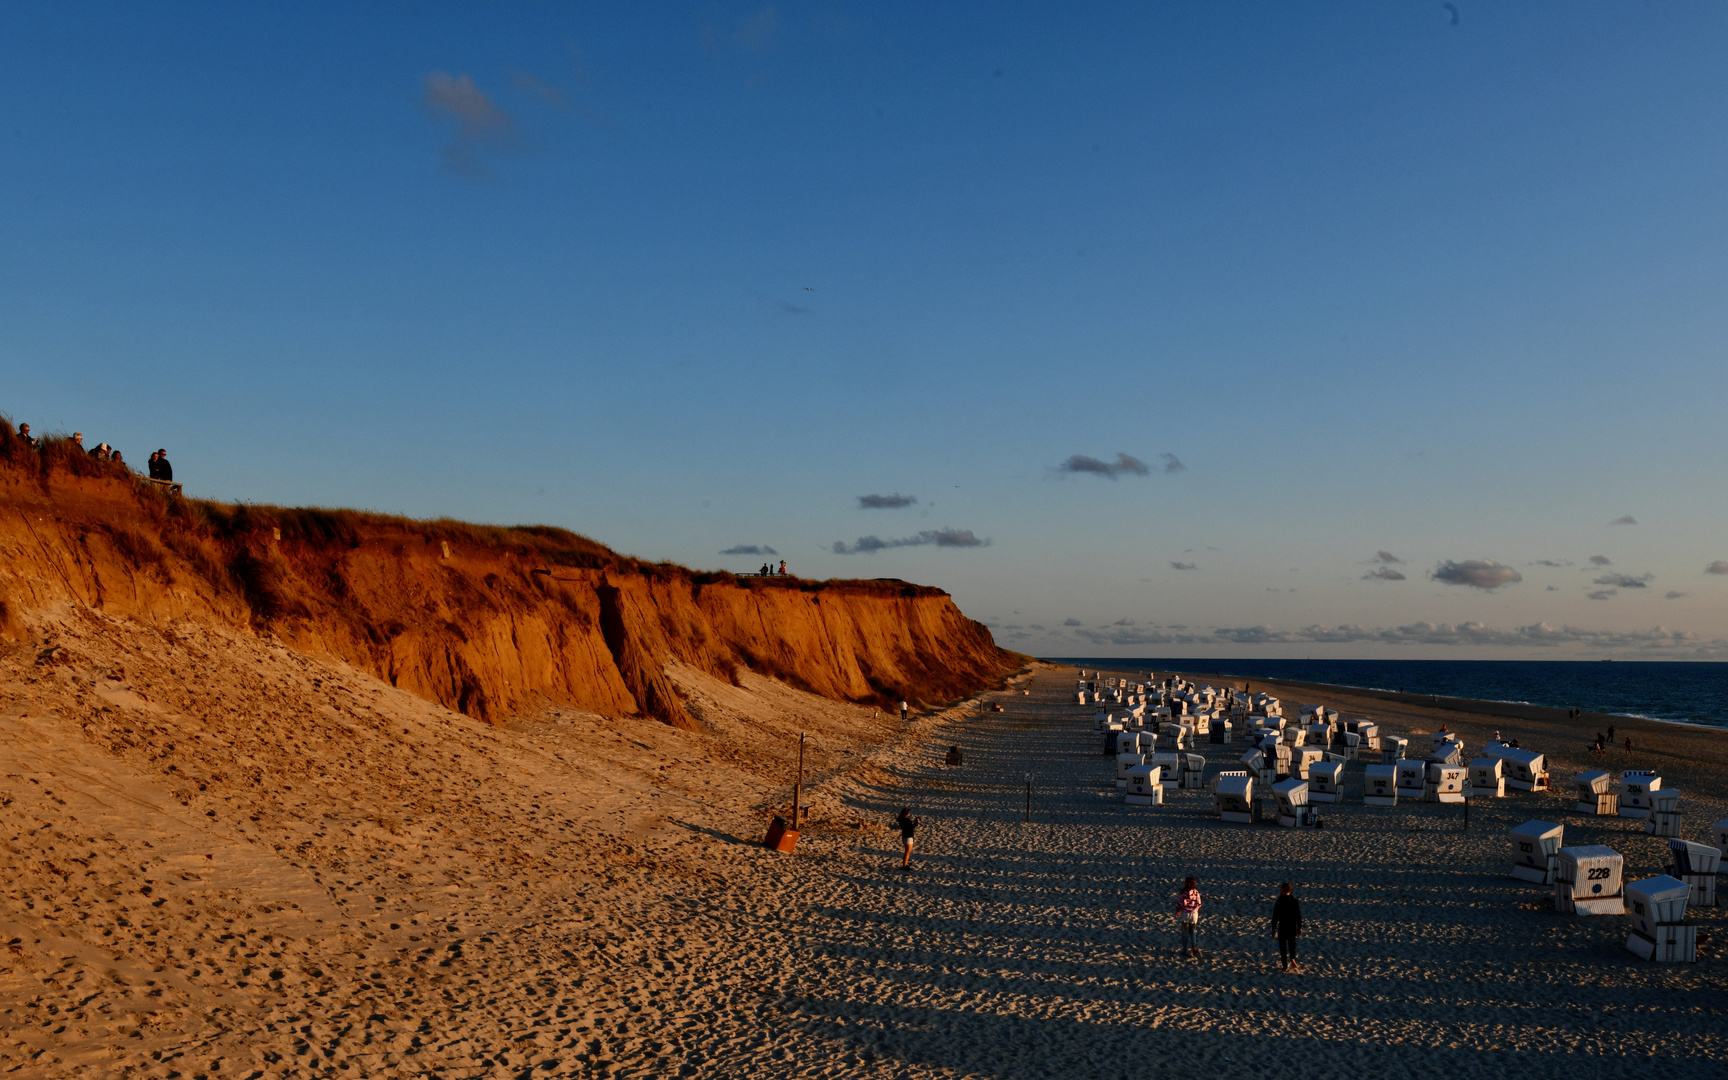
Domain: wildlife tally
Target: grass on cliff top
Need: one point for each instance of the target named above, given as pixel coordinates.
(231, 524)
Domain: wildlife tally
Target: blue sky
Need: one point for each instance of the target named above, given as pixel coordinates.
(1379, 280)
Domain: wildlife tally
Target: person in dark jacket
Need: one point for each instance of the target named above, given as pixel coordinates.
(908, 825)
(1287, 925)
(159, 467)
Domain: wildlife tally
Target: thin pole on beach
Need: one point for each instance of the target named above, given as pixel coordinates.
(798, 788)
(1028, 798)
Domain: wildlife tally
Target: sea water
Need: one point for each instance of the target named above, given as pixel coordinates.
(1690, 693)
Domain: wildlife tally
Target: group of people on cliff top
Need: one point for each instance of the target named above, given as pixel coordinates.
(769, 571)
(158, 465)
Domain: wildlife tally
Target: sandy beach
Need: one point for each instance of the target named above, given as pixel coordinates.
(224, 858)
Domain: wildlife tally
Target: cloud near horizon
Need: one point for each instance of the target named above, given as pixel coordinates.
(1123, 464)
(1624, 519)
(885, 502)
(1477, 573)
(477, 120)
(1174, 565)
(948, 537)
(1386, 557)
(1172, 463)
(1625, 581)
(1139, 636)
(1600, 560)
(1720, 566)
(1472, 633)
(750, 549)
(1383, 573)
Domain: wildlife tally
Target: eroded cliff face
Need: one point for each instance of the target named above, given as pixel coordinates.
(486, 621)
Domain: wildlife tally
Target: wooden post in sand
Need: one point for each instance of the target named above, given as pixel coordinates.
(1028, 798)
(798, 788)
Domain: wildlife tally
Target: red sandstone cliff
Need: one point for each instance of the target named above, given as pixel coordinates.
(484, 620)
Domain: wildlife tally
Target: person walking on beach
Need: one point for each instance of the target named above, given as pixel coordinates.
(1188, 917)
(1610, 732)
(1628, 746)
(908, 825)
(1600, 747)
(1287, 925)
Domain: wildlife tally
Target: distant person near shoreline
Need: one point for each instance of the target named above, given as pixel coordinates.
(1287, 925)
(1188, 917)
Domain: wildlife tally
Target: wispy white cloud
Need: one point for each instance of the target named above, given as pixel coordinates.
(952, 538)
(475, 119)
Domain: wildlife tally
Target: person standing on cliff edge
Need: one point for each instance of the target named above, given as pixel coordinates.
(903, 711)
